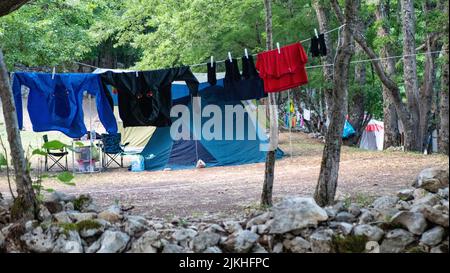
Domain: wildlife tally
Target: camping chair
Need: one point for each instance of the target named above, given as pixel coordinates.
(55, 157)
(112, 149)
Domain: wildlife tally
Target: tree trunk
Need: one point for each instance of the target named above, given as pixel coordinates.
(443, 128)
(329, 170)
(266, 195)
(391, 130)
(25, 205)
(394, 91)
(322, 18)
(356, 108)
(410, 70)
(8, 6)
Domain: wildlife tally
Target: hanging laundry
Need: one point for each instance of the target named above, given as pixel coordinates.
(55, 102)
(212, 78)
(247, 86)
(318, 46)
(145, 98)
(283, 70)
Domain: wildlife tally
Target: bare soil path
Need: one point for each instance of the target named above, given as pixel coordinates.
(225, 190)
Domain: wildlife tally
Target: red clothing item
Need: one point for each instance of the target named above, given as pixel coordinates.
(285, 70)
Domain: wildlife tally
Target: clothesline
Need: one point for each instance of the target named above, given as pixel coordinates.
(303, 41)
(379, 59)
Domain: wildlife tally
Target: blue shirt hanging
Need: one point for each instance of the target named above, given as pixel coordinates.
(55, 102)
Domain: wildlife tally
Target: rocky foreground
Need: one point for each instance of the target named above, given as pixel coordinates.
(415, 220)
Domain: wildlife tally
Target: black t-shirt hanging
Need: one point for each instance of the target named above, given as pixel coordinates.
(212, 78)
(318, 46)
(145, 99)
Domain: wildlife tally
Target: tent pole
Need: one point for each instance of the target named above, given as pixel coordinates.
(290, 121)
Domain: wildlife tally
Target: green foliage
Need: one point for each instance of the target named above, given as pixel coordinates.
(66, 178)
(54, 145)
(3, 161)
(79, 202)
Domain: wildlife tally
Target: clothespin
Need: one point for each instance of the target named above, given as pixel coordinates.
(246, 53)
(316, 33)
(137, 74)
(212, 61)
(278, 46)
(53, 73)
(229, 57)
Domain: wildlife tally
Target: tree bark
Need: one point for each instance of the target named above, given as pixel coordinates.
(266, 195)
(8, 6)
(410, 69)
(329, 170)
(443, 113)
(394, 91)
(391, 130)
(322, 18)
(25, 205)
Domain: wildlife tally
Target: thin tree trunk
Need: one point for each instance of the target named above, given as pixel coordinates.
(443, 113)
(329, 170)
(410, 69)
(391, 130)
(402, 111)
(25, 205)
(266, 195)
(322, 18)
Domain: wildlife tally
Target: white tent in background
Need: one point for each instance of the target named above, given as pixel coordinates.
(373, 136)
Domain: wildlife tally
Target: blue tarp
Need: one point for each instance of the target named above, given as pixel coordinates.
(348, 130)
(162, 152)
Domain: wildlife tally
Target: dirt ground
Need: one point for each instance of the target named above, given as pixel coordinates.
(226, 190)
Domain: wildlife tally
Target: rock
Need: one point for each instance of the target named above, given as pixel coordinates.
(53, 207)
(112, 214)
(215, 228)
(257, 248)
(30, 225)
(331, 212)
(135, 226)
(435, 216)
(321, 241)
(213, 249)
(372, 233)
(406, 195)
(261, 229)
(92, 207)
(44, 214)
(429, 200)
(419, 193)
(339, 206)
(232, 226)
(403, 205)
(396, 241)
(433, 236)
(91, 228)
(62, 217)
(93, 248)
(70, 243)
(2, 242)
(259, 220)
(69, 206)
(277, 248)
(242, 241)
(432, 179)
(345, 217)
(173, 248)
(443, 193)
(296, 213)
(204, 240)
(297, 245)
(113, 242)
(184, 234)
(366, 217)
(415, 222)
(57, 196)
(385, 207)
(38, 241)
(442, 248)
(343, 227)
(81, 216)
(147, 243)
(354, 209)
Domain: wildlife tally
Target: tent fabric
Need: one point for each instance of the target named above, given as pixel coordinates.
(373, 136)
(162, 152)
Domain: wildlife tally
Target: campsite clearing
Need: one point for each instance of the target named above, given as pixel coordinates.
(228, 190)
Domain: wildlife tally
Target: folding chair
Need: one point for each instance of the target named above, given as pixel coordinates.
(55, 157)
(112, 150)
